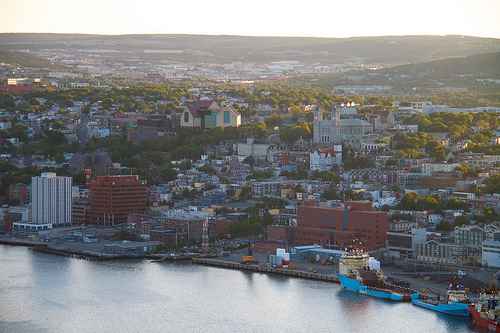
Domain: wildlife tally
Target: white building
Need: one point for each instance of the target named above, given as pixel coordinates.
(405, 244)
(464, 195)
(251, 146)
(419, 105)
(491, 253)
(430, 168)
(51, 199)
(326, 158)
(26, 228)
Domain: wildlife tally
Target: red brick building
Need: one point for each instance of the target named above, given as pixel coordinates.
(112, 198)
(354, 225)
(19, 191)
(137, 219)
(221, 225)
(170, 238)
(188, 225)
(280, 233)
(269, 247)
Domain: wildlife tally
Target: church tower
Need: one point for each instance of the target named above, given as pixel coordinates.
(336, 125)
(130, 130)
(318, 119)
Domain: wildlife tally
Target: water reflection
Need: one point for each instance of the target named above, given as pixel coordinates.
(46, 293)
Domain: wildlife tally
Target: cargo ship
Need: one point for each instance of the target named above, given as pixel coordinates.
(358, 276)
(486, 311)
(455, 303)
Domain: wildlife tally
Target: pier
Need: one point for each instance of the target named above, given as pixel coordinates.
(97, 256)
(265, 269)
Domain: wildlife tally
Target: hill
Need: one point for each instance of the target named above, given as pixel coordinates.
(476, 72)
(28, 60)
(475, 65)
(205, 48)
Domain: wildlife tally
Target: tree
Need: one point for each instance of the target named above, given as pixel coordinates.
(192, 240)
(160, 248)
(259, 175)
(351, 195)
(74, 147)
(395, 188)
(34, 101)
(206, 169)
(107, 103)
(268, 219)
(361, 162)
(443, 225)
(250, 160)
(290, 134)
(274, 120)
(221, 235)
(167, 175)
(330, 194)
(440, 155)
(246, 193)
(302, 174)
(23, 106)
(408, 201)
(392, 162)
(86, 109)
(460, 220)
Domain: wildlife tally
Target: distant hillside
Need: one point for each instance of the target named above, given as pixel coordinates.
(28, 60)
(452, 72)
(205, 48)
(479, 64)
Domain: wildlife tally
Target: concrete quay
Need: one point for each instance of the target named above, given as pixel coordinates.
(264, 269)
(317, 271)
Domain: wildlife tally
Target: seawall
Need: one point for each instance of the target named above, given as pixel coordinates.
(265, 269)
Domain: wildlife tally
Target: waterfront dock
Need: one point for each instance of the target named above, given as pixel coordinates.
(99, 256)
(265, 269)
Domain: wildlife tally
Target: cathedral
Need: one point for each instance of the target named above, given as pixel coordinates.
(334, 129)
(326, 130)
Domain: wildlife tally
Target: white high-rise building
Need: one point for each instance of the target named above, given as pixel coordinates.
(51, 199)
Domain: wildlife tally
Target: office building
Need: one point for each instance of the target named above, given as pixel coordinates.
(112, 198)
(354, 225)
(51, 199)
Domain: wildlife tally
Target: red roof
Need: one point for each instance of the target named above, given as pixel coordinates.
(210, 105)
(230, 107)
(383, 113)
(326, 150)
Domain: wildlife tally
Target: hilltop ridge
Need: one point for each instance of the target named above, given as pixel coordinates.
(224, 48)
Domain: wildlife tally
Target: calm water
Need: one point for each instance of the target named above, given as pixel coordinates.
(45, 293)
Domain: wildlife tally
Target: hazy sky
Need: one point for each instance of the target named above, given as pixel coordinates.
(319, 18)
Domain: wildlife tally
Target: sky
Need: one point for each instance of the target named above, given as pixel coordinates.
(313, 18)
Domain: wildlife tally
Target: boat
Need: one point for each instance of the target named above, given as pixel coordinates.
(455, 303)
(356, 275)
(486, 311)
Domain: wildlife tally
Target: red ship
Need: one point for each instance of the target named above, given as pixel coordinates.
(486, 312)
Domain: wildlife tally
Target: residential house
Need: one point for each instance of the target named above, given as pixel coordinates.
(324, 159)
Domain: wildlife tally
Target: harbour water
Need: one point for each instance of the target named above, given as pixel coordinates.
(47, 293)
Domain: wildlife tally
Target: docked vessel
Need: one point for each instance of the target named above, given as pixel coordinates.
(356, 275)
(455, 303)
(486, 311)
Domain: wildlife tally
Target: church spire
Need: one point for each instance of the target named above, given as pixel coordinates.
(130, 130)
